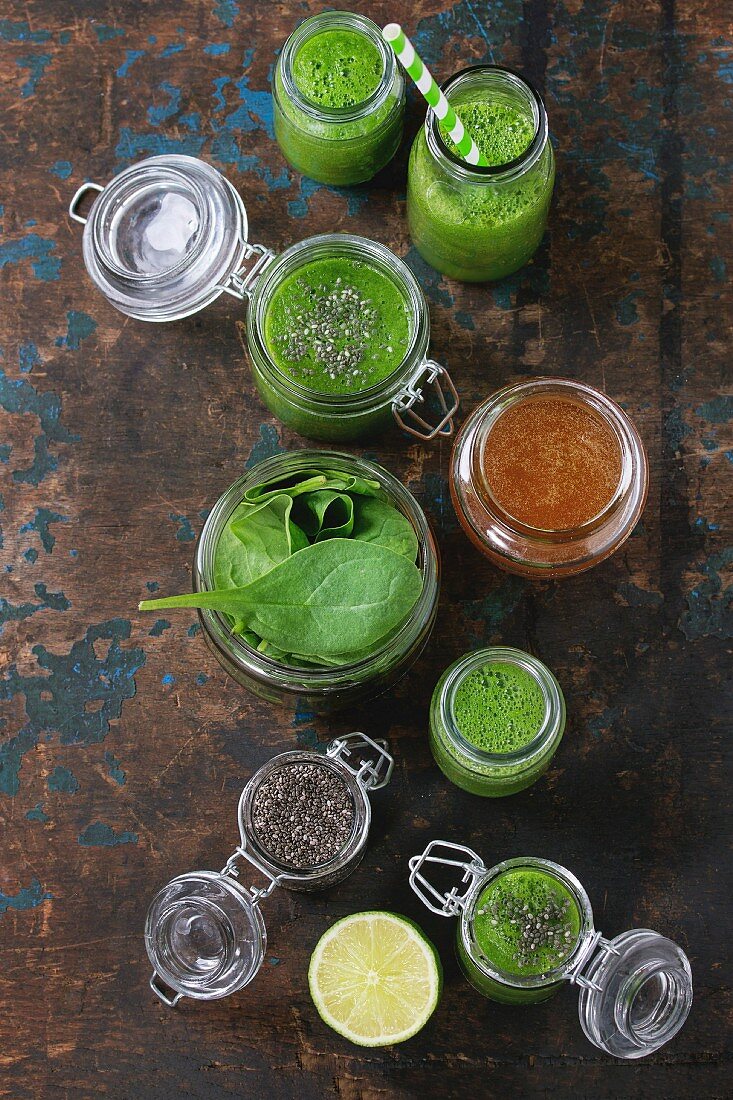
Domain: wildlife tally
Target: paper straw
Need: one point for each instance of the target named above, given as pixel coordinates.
(447, 117)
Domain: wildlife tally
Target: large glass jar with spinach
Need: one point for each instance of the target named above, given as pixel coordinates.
(316, 578)
(338, 98)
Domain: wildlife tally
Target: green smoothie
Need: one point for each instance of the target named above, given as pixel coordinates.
(337, 325)
(339, 99)
(471, 225)
(499, 707)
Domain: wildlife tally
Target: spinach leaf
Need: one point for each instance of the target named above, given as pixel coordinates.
(377, 521)
(326, 514)
(256, 539)
(331, 598)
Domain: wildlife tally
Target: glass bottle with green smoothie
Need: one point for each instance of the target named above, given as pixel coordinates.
(497, 717)
(339, 99)
(525, 927)
(473, 222)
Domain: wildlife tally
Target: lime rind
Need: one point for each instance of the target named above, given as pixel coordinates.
(375, 978)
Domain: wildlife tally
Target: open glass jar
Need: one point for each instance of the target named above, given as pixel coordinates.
(168, 235)
(349, 143)
(204, 931)
(525, 699)
(319, 690)
(474, 222)
(635, 990)
(535, 471)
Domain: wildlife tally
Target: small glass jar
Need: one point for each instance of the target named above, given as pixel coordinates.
(168, 235)
(635, 990)
(338, 145)
(319, 690)
(478, 223)
(530, 551)
(494, 774)
(204, 931)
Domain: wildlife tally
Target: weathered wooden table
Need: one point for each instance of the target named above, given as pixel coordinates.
(124, 746)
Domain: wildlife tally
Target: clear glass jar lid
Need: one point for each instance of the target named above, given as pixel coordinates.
(164, 238)
(635, 993)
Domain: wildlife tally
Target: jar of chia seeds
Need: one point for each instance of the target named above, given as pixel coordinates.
(525, 927)
(482, 222)
(337, 326)
(548, 477)
(497, 717)
(338, 98)
(303, 823)
(325, 689)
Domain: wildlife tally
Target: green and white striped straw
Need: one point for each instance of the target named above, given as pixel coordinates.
(447, 117)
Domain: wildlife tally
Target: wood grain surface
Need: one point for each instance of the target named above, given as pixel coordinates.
(123, 746)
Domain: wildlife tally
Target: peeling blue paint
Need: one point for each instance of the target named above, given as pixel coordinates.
(28, 897)
(168, 679)
(41, 523)
(185, 532)
(11, 758)
(718, 268)
(37, 814)
(626, 311)
(267, 446)
(639, 597)
(20, 31)
(105, 33)
(308, 739)
(115, 770)
(201, 679)
(50, 601)
(78, 327)
(152, 586)
(131, 145)
(173, 48)
(36, 249)
(429, 279)
(717, 411)
(675, 429)
(28, 357)
(100, 835)
(159, 114)
(710, 603)
(217, 49)
(62, 169)
(62, 780)
(227, 11)
(601, 723)
(31, 554)
(158, 627)
(17, 395)
(131, 56)
(193, 630)
(36, 64)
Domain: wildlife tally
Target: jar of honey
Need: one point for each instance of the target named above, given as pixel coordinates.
(548, 477)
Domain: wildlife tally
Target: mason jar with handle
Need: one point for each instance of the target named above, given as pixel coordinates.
(525, 927)
(167, 236)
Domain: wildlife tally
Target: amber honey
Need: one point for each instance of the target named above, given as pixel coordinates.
(552, 464)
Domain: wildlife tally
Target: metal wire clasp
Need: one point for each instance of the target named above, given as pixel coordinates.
(240, 283)
(596, 941)
(73, 205)
(232, 869)
(432, 374)
(371, 774)
(450, 902)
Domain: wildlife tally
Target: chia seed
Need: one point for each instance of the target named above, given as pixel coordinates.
(303, 814)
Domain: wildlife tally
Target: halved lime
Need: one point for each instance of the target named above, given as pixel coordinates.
(375, 978)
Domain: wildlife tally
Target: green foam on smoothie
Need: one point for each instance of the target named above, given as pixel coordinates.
(508, 912)
(499, 707)
(501, 131)
(337, 325)
(337, 68)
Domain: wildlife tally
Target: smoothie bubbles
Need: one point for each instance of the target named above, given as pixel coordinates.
(304, 822)
(497, 717)
(480, 222)
(525, 927)
(337, 326)
(339, 99)
(548, 477)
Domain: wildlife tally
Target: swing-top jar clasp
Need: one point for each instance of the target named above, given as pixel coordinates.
(241, 282)
(446, 903)
(370, 773)
(404, 407)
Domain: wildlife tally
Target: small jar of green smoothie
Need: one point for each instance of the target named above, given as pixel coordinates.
(338, 331)
(525, 927)
(497, 717)
(339, 99)
(473, 222)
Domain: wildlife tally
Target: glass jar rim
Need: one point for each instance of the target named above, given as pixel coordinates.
(563, 970)
(554, 703)
(535, 389)
(359, 828)
(299, 254)
(312, 679)
(314, 25)
(488, 173)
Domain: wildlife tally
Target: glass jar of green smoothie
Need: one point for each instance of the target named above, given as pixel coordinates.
(338, 98)
(473, 222)
(497, 717)
(525, 927)
(329, 688)
(337, 328)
